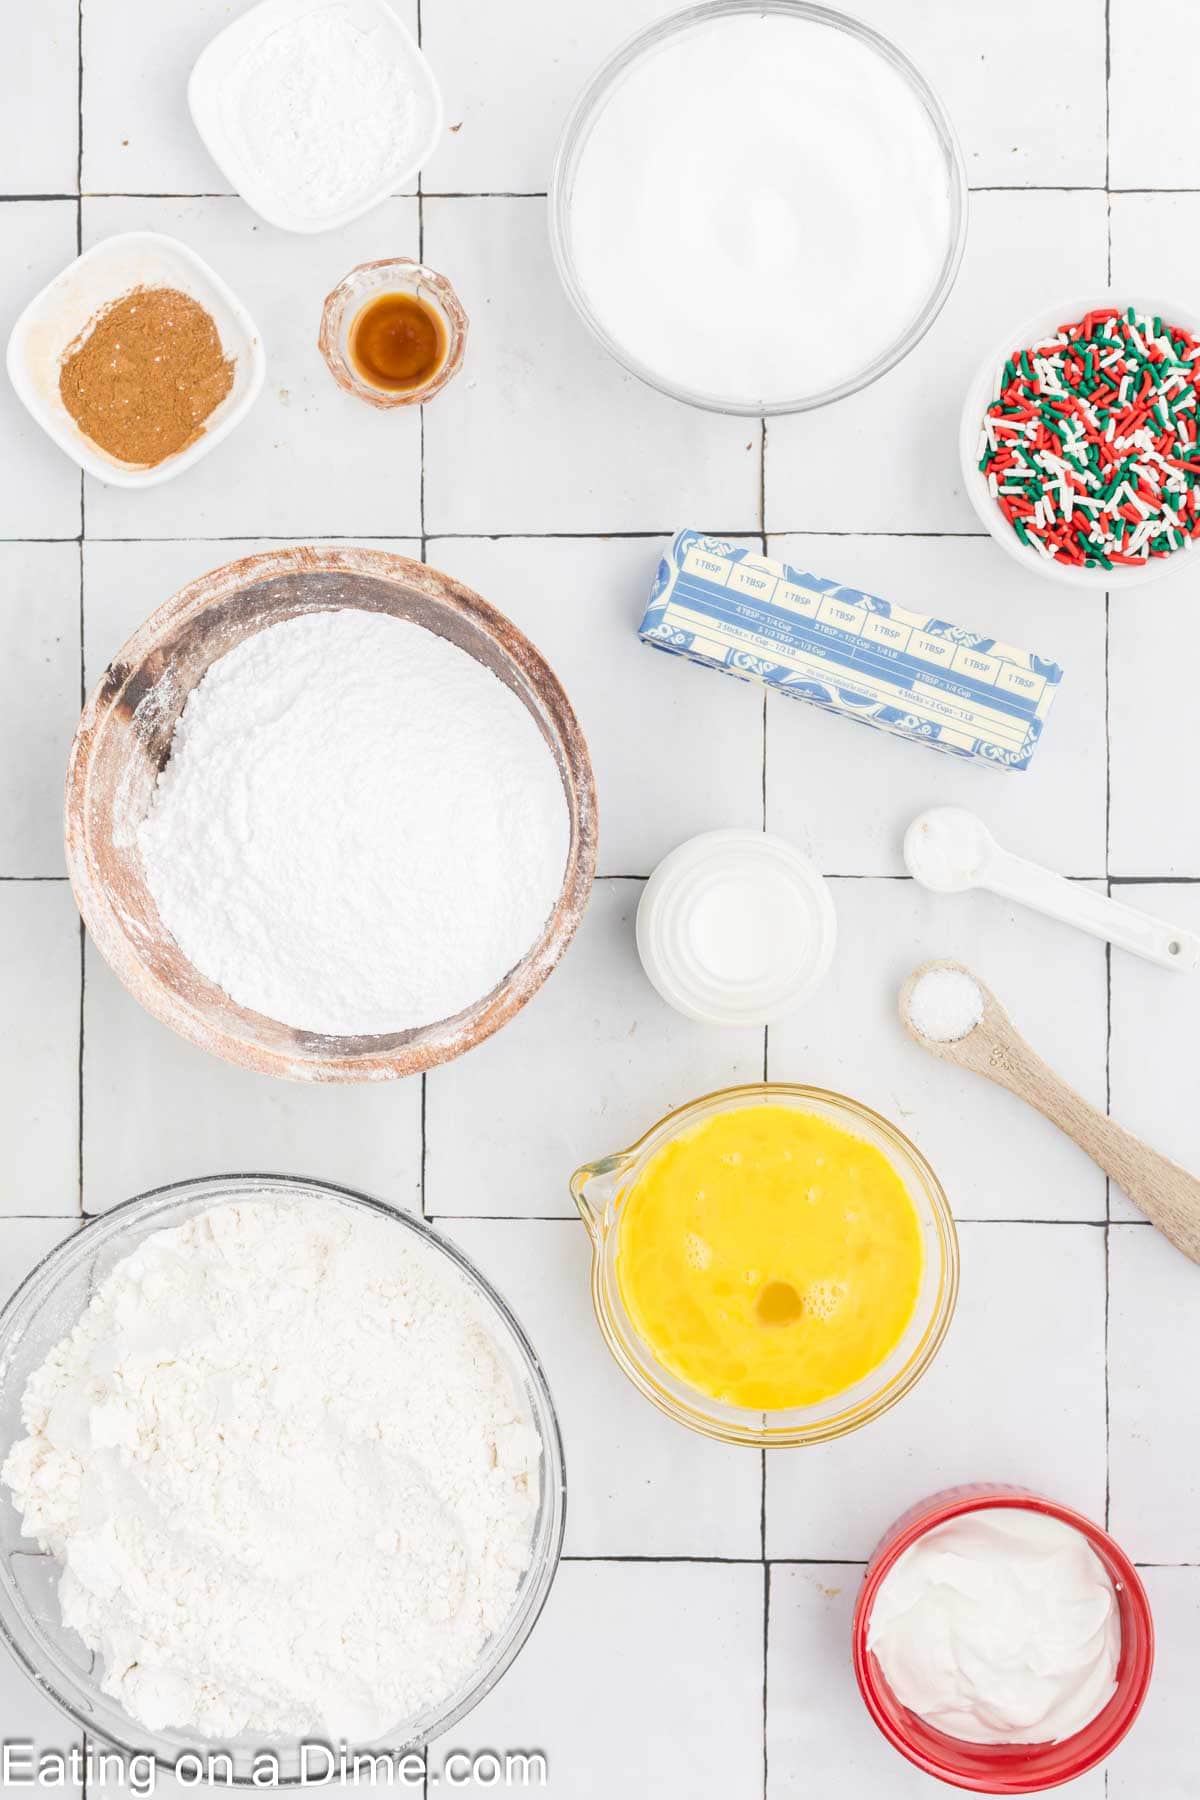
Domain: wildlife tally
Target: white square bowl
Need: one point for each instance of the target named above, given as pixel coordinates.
(55, 317)
(214, 69)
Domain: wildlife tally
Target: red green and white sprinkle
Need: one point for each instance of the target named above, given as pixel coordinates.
(1091, 446)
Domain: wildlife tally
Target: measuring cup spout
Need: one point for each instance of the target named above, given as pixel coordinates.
(594, 1186)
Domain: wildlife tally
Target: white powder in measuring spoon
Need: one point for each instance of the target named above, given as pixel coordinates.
(945, 1005)
(323, 112)
(761, 208)
(287, 1472)
(360, 828)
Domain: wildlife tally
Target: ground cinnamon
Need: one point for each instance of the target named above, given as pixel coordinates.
(144, 375)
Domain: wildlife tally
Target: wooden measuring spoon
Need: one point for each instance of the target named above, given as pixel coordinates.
(1167, 1194)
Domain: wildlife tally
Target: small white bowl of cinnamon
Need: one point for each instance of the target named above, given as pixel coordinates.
(137, 359)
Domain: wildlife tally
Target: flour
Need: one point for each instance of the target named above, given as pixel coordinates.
(286, 1472)
(360, 828)
(323, 114)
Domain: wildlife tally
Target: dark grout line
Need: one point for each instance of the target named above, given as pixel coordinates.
(818, 1562)
(33, 878)
(79, 137)
(1153, 880)
(82, 997)
(572, 1219)
(145, 194)
(780, 531)
(737, 1562)
(1108, 97)
(766, 1655)
(542, 194)
(424, 1141)
(1082, 1224)
(487, 537)
(39, 1218)
(762, 1505)
(1000, 187)
(488, 194)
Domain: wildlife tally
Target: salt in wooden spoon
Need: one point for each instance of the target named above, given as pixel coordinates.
(1167, 1194)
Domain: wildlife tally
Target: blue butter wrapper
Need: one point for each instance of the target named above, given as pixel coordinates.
(851, 652)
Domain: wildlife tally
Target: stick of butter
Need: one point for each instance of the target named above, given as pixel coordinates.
(849, 651)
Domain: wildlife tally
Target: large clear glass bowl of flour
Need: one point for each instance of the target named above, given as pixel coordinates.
(46, 1307)
(758, 206)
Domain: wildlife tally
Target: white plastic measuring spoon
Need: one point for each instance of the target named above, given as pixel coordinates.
(949, 849)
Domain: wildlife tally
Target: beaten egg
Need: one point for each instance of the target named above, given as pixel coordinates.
(768, 1257)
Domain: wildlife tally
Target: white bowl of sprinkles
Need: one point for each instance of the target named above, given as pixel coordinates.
(1063, 471)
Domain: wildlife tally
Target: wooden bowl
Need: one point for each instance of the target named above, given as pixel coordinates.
(124, 740)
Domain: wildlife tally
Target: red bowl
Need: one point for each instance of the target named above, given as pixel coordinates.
(1006, 1768)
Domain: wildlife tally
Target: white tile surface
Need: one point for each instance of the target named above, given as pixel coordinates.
(638, 1484)
(39, 105)
(638, 1679)
(1154, 1349)
(1157, 1761)
(820, 1738)
(1154, 242)
(1152, 1053)
(852, 815)
(39, 486)
(674, 751)
(39, 700)
(510, 105)
(39, 1049)
(887, 459)
(308, 460)
(138, 137)
(156, 1109)
(595, 1058)
(1154, 726)
(996, 1157)
(541, 431)
(1146, 91)
(137, 56)
(1021, 1377)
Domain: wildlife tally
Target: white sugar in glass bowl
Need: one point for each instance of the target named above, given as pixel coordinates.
(980, 392)
(45, 1308)
(758, 206)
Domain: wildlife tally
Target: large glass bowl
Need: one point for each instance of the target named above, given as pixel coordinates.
(45, 1308)
(600, 1189)
(596, 96)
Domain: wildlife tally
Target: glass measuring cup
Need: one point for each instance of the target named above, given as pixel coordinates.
(600, 1189)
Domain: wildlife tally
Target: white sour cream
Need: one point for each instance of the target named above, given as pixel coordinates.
(999, 1627)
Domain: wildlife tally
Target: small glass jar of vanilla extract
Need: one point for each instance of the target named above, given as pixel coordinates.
(393, 332)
